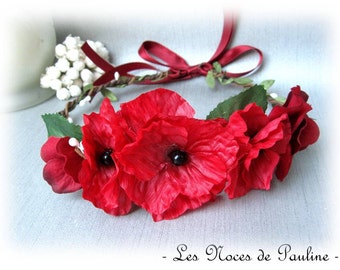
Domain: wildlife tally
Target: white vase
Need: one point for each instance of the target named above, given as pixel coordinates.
(29, 48)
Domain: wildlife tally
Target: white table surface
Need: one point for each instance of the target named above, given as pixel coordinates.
(301, 211)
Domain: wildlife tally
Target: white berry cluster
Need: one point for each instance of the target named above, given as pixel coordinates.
(72, 69)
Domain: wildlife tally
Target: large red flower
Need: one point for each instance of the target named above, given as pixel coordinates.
(304, 130)
(179, 163)
(136, 113)
(261, 142)
(101, 171)
(62, 165)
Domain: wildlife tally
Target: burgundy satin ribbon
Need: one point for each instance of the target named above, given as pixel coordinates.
(178, 68)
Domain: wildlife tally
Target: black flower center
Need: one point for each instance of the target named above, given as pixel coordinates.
(105, 158)
(178, 157)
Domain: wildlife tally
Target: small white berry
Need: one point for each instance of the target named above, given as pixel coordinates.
(73, 142)
(116, 75)
(73, 55)
(62, 64)
(66, 81)
(84, 101)
(71, 42)
(56, 84)
(274, 95)
(72, 73)
(53, 72)
(98, 44)
(45, 81)
(60, 50)
(103, 52)
(70, 120)
(92, 44)
(96, 75)
(79, 65)
(86, 75)
(75, 90)
(89, 63)
(63, 94)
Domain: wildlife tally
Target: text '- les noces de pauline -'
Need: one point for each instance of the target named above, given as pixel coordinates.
(214, 252)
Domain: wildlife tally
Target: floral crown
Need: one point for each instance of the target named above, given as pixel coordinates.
(152, 152)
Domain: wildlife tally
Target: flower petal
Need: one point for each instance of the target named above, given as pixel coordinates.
(150, 104)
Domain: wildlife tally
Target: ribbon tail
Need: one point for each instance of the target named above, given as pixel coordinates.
(237, 52)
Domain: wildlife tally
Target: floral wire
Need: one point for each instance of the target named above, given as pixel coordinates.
(120, 82)
(125, 81)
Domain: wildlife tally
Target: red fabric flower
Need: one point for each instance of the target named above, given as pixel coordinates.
(180, 163)
(62, 165)
(101, 171)
(136, 113)
(304, 130)
(261, 142)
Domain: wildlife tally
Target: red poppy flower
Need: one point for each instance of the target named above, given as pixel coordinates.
(179, 163)
(101, 171)
(261, 142)
(62, 165)
(304, 130)
(136, 113)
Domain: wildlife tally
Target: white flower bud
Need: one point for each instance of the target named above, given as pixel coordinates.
(71, 42)
(56, 84)
(103, 52)
(73, 142)
(53, 72)
(84, 101)
(92, 44)
(116, 75)
(72, 73)
(45, 81)
(62, 64)
(63, 94)
(86, 75)
(98, 44)
(66, 81)
(98, 69)
(274, 95)
(73, 55)
(89, 63)
(74, 90)
(79, 65)
(60, 50)
(96, 75)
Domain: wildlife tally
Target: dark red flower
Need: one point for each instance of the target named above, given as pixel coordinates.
(101, 171)
(261, 142)
(62, 165)
(304, 130)
(179, 163)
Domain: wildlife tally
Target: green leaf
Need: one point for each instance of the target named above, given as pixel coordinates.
(255, 94)
(58, 126)
(87, 87)
(242, 81)
(210, 79)
(217, 66)
(225, 81)
(107, 93)
(267, 84)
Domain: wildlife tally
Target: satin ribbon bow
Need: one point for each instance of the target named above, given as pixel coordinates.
(178, 68)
